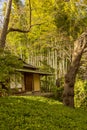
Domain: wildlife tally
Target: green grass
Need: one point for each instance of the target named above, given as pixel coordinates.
(38, 113)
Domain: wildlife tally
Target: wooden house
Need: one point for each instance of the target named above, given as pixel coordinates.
(29, 79)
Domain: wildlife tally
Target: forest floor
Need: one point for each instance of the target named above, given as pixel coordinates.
(39, 113)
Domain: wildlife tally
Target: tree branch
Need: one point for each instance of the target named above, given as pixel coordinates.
(17, 30)
(23, 31)
(30, 23)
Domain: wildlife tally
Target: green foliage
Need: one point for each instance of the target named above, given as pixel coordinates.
(46, 67)
(17, 2)
(81, 93)
(71, 17)
(8, 65)
(38, 113)
(36, 41)
(58, 92)
(47, 82)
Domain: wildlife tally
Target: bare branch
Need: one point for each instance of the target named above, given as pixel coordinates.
(23, 31)
(17, 30)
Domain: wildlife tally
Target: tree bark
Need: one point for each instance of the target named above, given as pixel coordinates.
(5, 25)
(79, 45)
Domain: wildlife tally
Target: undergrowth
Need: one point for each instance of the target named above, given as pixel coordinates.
(39, 113)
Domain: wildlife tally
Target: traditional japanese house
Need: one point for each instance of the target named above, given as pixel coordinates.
(29, 79)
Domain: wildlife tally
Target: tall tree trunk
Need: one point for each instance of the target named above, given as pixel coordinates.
(79, 45)
(5, 25)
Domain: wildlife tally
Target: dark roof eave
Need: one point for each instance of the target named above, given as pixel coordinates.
(34, 71)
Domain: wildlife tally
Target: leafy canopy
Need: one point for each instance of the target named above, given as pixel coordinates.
(71, 17)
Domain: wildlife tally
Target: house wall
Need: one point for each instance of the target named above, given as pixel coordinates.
(17, 82)
(25, 82)
(36, 79)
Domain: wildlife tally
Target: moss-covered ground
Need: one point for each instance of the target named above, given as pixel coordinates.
(39, 113)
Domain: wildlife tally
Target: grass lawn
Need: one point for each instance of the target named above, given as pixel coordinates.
(39, 113)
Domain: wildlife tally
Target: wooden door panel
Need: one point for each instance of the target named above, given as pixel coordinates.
(28, 82)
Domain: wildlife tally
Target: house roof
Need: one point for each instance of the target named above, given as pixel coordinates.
(29, 66)
(34, 71)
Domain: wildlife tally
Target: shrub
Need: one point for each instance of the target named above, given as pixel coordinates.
(58, 93)
(81, 93)
(8, 65)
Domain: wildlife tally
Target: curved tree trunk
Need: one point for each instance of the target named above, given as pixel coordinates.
(5, 25)
(79, 46)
